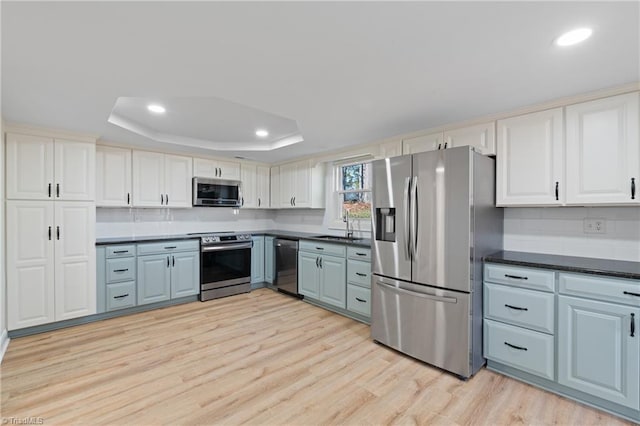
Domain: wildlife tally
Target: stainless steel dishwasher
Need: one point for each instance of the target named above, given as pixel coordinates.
(287, 266)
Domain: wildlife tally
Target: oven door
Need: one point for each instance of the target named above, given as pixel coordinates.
(225, 265)
(216, 192)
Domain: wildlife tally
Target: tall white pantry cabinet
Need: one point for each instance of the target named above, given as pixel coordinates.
(50, 228)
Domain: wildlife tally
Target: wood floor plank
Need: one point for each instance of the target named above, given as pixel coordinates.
(258, 358)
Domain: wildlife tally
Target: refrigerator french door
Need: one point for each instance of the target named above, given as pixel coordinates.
(433, 220)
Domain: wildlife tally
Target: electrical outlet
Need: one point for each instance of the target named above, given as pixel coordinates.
(595, 226)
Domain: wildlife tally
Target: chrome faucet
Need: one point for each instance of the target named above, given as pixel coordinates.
(348, 230)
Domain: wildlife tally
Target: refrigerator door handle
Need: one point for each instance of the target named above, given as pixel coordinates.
(416, 294)
(414, 217)
(407, 234)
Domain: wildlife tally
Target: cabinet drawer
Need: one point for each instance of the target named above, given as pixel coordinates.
(359, 273)
(121, 251)
(322, 248)
(121, 295)
(538, 279)
(168, 246)
(359, 300)
(526, 308)
(359, 253)
(602, 288)
(526, 350)
(121, 269)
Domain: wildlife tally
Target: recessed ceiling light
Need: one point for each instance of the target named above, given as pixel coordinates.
(261, 133)
(574, 37)
(158, 109)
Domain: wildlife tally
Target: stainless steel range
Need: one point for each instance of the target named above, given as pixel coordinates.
(225, 264)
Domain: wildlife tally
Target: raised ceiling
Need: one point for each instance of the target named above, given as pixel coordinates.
(346, 72)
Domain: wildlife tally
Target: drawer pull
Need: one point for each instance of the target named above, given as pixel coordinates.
(361, 254)
(633, 324)
(361, 300)
(360, 274)
(170, 247)
(121, 270)
(120, 251)
(520, 348)
(632, 294)
(121, 296)
(319, 248)
(516, 277)
(517, 308)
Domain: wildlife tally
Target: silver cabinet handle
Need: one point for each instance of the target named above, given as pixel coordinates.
(421, 295)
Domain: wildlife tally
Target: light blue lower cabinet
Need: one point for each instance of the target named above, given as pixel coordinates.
(598, 353)
(526, 350)
(359, 300)
(185, 274)
(154, 278)
(309, 275)
(269, 260)
(257, 260)
(121, 295)
(333, 284)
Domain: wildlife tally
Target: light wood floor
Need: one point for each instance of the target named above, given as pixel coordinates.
(258, 358)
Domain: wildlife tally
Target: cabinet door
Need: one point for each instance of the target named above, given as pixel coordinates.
(302, 184)
(113, 177)
(154, 278)
(333, 281)
(185, 274)
(275, 187)
(178, 174)
(249, 192)
(530, 160)
(423, 143)
(257, 260)
(75, 259)
(287, 185)
(391, 149)
(203, 167)
(603, 151)
(229, 170)
(29, 167)
(480, 136)
(30, 271)
(309, 275)
(269, 259)
(75, 170)
(597, 353)
(262, 186)
(148, 179)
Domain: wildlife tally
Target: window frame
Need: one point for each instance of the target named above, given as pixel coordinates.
(338, 195)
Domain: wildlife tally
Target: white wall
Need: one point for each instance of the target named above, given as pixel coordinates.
(4, 339)
(560, 231)
(142, 222)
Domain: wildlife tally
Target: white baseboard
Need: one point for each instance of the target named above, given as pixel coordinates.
(4, 343)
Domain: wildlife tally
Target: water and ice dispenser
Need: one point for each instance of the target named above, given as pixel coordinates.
(386, 224)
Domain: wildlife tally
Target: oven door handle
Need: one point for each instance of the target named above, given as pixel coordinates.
(228, 247)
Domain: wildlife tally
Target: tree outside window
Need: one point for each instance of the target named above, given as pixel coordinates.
(354, 190)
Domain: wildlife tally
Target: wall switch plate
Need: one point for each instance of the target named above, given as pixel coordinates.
(595, 226)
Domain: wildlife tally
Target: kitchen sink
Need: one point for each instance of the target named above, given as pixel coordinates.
(336, 238)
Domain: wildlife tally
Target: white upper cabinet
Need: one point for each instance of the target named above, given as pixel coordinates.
(301, 185)
(529, 166)
(113, 177)
(249, 183)
(423, 143)
(204, 167)
(178, 174)
(275, 200)
(41, 168)
(161, 180)
(603, 151)
(391, 149)
(263, 186)
(480, 136)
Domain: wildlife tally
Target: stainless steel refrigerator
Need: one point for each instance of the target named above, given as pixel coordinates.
(434, 218)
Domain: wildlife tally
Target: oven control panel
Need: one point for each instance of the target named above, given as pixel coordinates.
(221, 239)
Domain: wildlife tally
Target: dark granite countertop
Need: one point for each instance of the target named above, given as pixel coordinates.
(271, 232)
(584, 265)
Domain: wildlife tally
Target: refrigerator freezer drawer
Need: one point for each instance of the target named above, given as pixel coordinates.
(426, 323)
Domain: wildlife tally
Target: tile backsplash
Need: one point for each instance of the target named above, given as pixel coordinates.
(561, 231)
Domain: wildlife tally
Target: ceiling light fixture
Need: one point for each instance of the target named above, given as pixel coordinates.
(574, 37)
(261, 133)
(158, 109)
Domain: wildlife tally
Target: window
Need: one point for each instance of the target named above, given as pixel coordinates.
(354, 190)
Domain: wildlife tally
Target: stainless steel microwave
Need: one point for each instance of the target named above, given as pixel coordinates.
(216, 192)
